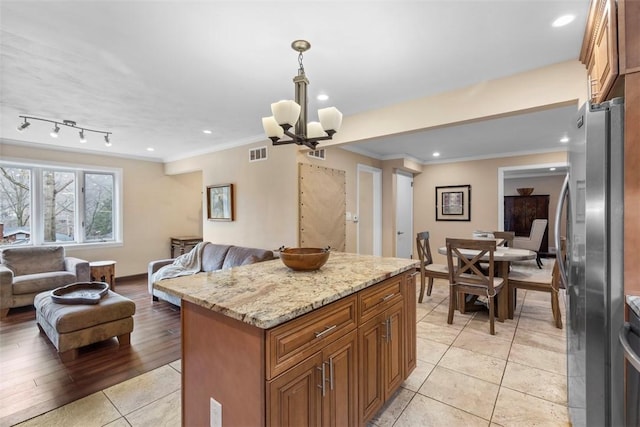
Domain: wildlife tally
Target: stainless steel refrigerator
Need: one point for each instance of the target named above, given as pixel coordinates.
(593, 196)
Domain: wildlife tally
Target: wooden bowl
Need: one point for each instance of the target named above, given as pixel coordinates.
(524, 191)
(304, 259)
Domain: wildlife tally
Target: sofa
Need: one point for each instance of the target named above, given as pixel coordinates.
(214, 257)
(27, 271)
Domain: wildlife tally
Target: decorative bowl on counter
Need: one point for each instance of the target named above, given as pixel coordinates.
(304, 259)
(525, 191)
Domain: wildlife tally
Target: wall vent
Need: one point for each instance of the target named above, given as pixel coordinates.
(317, 154)
(257, 154)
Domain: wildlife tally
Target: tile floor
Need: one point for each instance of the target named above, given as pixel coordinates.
(465, 377)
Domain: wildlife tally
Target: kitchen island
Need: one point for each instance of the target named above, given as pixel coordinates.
(277, 347)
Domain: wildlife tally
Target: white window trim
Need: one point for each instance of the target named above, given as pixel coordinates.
(36, 186)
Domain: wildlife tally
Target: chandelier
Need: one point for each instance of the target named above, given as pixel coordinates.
(69, 123)
(287, 114)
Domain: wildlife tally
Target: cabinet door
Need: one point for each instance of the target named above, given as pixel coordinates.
(410, 348)
(340, 403)
(295, 396)
(603, 68)
(394, 349)
(370, 372)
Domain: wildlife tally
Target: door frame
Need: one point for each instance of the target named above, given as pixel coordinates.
(521, 172)
(397, 204)
(377, 207)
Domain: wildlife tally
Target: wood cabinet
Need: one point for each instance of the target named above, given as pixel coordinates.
(321, 390)
(382, 341)
(600, 49)
(334, 366)
(520, 211)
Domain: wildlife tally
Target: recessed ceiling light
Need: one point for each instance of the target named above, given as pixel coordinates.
(563, 20)
(323, 97)
(151, 149)
(564, 139)
(436, 154)
(207, 131)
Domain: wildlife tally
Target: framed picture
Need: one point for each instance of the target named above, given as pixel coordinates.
(220, 202)
(453, 203)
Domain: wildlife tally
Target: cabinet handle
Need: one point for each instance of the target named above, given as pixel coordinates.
(412, 275)
(386, 330)
(323, 379)
(593, 84)
(388, 297)
(326, 330)
(331, 373)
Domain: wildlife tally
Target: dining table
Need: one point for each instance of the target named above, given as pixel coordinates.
(502, 258)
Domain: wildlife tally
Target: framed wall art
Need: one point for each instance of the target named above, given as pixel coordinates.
(453, 203)
(220, 202)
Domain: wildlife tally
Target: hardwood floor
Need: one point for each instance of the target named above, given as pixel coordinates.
(35, 381)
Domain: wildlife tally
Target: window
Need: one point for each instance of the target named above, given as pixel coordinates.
(42, 204)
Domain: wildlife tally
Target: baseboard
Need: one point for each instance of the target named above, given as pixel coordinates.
(124, 279)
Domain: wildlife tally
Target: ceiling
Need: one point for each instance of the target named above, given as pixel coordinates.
(158, 73)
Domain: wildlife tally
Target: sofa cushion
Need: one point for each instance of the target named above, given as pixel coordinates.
(213, 256)
(238, 255)
(32, 260)
(39, 282)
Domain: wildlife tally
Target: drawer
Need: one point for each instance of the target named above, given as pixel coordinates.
(377, 298)
(299, 338)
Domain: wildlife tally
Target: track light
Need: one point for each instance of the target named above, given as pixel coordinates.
(69, 123)
(23, 126)
(54, 132)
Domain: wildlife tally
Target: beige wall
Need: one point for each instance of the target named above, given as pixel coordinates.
(266, 195)
(558, 84)
(156, 206)
(550, 185)
(482, 175)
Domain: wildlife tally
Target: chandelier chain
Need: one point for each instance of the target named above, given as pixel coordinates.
(301, 69)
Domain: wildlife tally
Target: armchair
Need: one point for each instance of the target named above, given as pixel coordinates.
(532, 243)
(27, 271)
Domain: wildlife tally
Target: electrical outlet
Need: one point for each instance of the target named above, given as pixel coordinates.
(348, 216)
(215, 418)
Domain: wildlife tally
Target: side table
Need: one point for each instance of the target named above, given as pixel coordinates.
(183, 242)
(104, 271)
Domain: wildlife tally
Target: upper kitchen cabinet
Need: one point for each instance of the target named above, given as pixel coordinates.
(610, 46)
(600, 49)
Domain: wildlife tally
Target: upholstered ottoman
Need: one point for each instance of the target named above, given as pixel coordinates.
(71, 326)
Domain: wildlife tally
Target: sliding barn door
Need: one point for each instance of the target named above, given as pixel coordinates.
(323, 205)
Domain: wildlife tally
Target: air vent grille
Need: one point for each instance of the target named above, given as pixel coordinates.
(257, 154)
(317, 154)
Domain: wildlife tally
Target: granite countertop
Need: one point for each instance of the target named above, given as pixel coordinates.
(267, 294)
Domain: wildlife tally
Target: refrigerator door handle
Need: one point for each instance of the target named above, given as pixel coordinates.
(564, 196)
(629, 354)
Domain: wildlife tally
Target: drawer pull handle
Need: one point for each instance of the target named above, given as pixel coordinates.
(412, 275)
(326, 330)
(388, 297)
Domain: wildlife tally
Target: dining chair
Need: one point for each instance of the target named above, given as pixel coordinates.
(542, 281)
(534, 240)
(506, 236)
(427, 267)
(469, 278)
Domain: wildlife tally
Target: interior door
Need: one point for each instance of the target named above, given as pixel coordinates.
(404, 215)
(369, 211)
